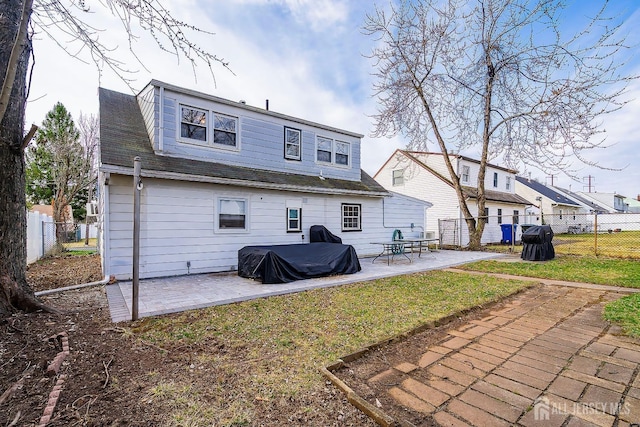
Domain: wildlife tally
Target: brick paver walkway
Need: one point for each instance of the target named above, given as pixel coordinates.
(547, 359)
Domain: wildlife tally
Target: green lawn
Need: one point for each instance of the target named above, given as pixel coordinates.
(602, 271)
(271, 349)
(625, 312)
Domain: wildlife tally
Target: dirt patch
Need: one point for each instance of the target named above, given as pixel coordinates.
(115, 379)
(64, 270)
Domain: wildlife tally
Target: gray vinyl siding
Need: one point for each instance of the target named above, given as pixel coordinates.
(147, 100)
(260, 140)
(178, 224)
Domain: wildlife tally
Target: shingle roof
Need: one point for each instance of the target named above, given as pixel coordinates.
(549, 193)
(123, 136)
(494, 196)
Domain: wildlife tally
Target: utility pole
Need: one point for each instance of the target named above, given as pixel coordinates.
(552, 176)
(589, 183)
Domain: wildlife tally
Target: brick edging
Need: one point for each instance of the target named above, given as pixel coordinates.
(53, 369)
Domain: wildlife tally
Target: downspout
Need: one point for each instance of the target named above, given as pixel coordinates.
(74, 287)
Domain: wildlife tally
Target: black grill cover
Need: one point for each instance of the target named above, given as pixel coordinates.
(286, 263)
(319, 233)
(536, 243)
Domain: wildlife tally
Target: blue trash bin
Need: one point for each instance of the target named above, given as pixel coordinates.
(508, 232)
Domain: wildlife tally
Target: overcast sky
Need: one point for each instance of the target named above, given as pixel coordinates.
(307, 58)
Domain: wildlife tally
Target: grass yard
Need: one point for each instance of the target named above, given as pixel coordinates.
(283, 341)
(625, 244)
(625, 312)
(601, 271)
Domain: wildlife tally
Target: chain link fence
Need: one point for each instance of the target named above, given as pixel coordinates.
(612, 235)
(58, 237)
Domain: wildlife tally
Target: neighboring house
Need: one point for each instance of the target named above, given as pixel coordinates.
(551, 207)
(48, 210)
(424, 175)
(613, 202)
(588, 206)
(633, 204)
(218, 175)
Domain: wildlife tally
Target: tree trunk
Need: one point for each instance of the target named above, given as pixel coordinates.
(15, 293)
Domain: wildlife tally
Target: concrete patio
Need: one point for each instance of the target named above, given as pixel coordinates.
(175, 294)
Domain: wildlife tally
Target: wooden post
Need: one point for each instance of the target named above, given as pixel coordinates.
(595, 236)
(137, 186)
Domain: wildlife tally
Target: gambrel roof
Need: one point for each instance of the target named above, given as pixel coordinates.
(123, 136)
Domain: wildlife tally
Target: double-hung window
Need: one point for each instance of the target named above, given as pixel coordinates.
(507, 184)
(232, 214)
(292, 143)
(351, 217)
(499, 216)
(342, 153)
(325, 150)
(495, 180)
(332, 151)
(193, 123)
(294, 220)
(516, 216)
(465, 174)
(225, 130)
(201, 126)
(398, 177)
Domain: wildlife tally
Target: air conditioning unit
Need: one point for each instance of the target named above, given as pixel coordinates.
(92, 209)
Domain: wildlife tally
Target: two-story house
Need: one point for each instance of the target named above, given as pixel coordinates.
(218, 175)
(551, 207)
(424, 175)
(613, 202)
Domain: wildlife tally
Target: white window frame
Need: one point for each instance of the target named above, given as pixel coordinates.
(466, 171)
(287, 143)
(204, 125)
(218, 212)
(236, 146)
(495, 180)
(397, 177)
(507, 184)
(352, 207)
(297, 229)
(210, 128)
(333, 154)
(499, 216)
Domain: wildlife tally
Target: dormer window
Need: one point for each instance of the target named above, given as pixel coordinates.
(495, 180)
(292, 142)
(507, 184)
(193, 124)
(196, 127)
(224, 130)
(332, 151)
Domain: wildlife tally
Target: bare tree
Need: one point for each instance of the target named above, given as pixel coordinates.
(62, 21)
(496, 76)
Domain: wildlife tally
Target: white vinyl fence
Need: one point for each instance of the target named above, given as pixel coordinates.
(41, 235)
(38, 234)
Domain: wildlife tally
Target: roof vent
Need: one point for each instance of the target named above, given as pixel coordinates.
(243, 102)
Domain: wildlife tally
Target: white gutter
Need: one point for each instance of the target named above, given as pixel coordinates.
(242, 183)
(73, 287)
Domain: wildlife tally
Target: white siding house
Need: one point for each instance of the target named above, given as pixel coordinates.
(550, 206)
(219, 175)
(424, 175)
